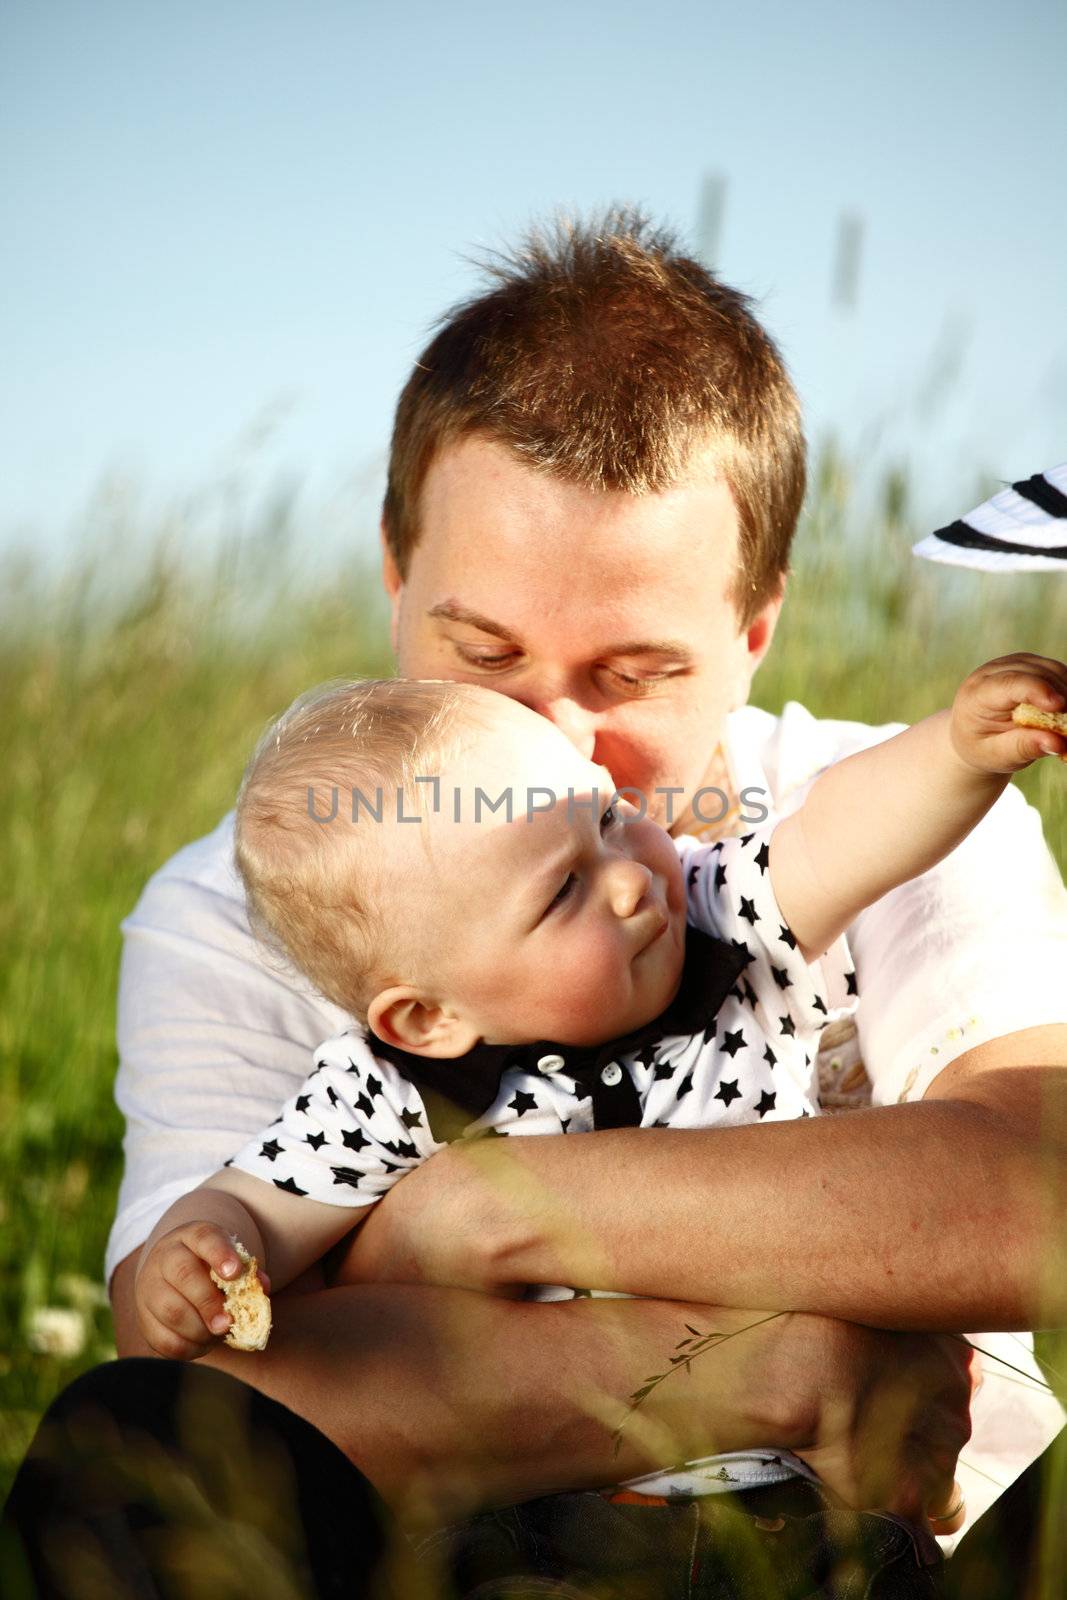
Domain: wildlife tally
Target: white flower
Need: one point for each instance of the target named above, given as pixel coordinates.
(57, 1331)
(81, 1291)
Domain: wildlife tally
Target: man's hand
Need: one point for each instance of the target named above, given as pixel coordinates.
(892, 1413)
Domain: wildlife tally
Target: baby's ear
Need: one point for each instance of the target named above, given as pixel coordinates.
(402, 1017)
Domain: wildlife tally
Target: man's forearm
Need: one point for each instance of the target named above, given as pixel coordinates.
(449, 1400)
(950, 1213)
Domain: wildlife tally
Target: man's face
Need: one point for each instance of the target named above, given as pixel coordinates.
(606, 612)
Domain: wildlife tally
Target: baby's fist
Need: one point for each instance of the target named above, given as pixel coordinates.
(179, 1310)
(985, 733)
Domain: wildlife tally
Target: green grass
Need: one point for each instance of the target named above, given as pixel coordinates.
(129, 709)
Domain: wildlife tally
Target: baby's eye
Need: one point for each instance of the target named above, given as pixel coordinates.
(558, 899)
(609, 818)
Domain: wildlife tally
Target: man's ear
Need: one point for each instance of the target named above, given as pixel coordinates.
(392, 583)
(760, 630)
(402, 1017)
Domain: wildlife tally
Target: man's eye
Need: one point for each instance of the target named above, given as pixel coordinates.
(635, 687)
(487, 663)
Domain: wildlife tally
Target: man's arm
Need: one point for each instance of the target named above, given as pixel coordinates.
(450, 1401)
(950, 1213)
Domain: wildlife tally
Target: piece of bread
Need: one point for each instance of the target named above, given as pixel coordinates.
(246, 1302)
(1028, 716)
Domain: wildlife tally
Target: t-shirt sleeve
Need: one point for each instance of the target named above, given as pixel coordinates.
(969, 952)
(213, 1035)
(730, 895)
(353, 1128)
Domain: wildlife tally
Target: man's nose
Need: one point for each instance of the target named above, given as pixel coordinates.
(628, 883)
(573, 720)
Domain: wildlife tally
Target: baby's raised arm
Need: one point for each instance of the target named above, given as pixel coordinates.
(889, 813)
(180, 1311)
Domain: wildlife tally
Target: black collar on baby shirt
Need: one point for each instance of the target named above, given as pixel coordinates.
(459, 1091)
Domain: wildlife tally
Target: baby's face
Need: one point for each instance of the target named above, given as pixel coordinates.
(567, 924)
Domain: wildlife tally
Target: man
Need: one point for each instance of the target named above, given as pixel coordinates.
(596, 472)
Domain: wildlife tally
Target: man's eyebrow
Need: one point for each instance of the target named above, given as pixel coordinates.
(451, 611)
(651, 647)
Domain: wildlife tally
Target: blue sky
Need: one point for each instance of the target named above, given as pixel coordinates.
(224, 218)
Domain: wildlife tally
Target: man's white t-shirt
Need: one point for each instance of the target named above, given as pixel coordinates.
(215, 1034)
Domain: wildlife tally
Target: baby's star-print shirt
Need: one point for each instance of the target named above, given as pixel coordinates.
(738, 1045)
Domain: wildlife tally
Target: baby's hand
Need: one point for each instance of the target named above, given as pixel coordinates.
(180, 1311)
(983, 733)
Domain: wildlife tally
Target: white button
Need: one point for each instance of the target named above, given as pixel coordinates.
(611, 1074)
(551, 1064)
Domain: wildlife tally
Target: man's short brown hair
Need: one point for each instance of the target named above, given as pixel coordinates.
(604, 355)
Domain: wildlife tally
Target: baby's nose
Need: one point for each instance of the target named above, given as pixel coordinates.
(629, 885)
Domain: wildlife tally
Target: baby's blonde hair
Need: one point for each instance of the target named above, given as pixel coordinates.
(316, 888)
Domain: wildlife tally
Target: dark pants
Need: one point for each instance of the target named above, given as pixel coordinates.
(158, 1480)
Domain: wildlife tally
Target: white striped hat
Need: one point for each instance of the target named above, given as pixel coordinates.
(1021, 529)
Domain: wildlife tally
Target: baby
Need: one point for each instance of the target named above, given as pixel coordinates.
(532, 954)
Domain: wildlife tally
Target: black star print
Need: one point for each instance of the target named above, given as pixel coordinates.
(748, 911)
(664, 1069)
(364, 1106)
(733, 1042)
(782, 978)
(728, 1091)
(720, 877)
(746, 838)
(400, 1147)
(354, 1139)
(411, 1119)
(315, 1140)
(272, 1149)
(331, 1094)
(564, 1124)
(787, 936)
(303, 1101)
(647, 1055)
(352, 1067)
(346, 1175)
(373, 1086)
(710, 1030)
(694, 874)
(850, 978)
(739, 944)
(763, 857)
(770, 1057)
(819, 1004)
(788, 1027)
(685, 1085)
(765, 1103)
(522, 1103)
(289, 1185)
(748, 993)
